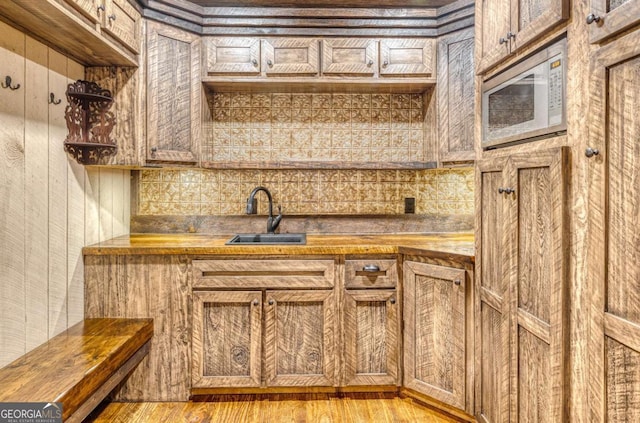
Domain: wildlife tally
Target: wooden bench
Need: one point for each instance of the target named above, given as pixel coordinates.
(79, 367)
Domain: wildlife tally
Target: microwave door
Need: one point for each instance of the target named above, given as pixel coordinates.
(516, 107)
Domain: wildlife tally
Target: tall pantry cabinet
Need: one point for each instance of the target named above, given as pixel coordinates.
(613, 237)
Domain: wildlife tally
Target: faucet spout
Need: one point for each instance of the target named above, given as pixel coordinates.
(272, 223)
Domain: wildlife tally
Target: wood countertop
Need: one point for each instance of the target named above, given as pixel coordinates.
(458, 246)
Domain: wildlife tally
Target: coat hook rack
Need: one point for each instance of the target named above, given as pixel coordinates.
(7, 83)
(52, 99)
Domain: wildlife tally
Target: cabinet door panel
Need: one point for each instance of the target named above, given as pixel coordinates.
(371, 337)
(349, 57)
(290, 56)
(494, 25)
(434, 352)
(456, 91)
(407, 57)
(299, 338)
(615, 16)
(614, 241)
(492, 330)
(123, 22)
(226, 339)
(88, 8)
(173, 94)
(232, 56)
(532, 19)
(536, 249)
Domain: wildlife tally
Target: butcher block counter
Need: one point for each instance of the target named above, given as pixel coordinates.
(458, 246)
(341, 312)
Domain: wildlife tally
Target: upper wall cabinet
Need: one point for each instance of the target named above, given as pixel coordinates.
(351, 56)
(456, 97)
(291, 56)
(504, 26)
(231, 56)
(93, 32)
(173, 94)
(408, 57)
(608, 18)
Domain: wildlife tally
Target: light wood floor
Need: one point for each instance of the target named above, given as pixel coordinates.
(347, 410)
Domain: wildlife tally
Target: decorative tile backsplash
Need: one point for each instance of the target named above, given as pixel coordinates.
(306, 192)
(314, 127)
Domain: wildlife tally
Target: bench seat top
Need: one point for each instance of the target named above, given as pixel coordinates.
(71, 366)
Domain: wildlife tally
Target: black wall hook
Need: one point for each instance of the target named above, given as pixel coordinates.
(7, 83)
(52, 99)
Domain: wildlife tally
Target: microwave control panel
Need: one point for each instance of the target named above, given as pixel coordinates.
(556, 93)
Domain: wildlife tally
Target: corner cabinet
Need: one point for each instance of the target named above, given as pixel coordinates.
(435, 332)
(521, 292)
(505, 26)
(613, 244)
(173, 95)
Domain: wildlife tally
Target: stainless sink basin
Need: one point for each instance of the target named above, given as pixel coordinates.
(254, 239)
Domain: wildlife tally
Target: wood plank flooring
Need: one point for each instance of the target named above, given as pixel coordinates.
(327, 410)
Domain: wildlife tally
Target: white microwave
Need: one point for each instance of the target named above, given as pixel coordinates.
(528, 100)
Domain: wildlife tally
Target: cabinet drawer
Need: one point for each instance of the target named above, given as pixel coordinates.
(242, 273)
(291, 56)
(374, 273)
(408, 57)
(122, 21)
(232, 56)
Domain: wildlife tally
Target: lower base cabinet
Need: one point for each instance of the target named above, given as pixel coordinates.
(435, 351)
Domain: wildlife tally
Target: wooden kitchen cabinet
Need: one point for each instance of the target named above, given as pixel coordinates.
(609, 18)
(349, 56)
(291, 56)
(505, 26)
(231, 56)
(227, 339)
(371, 322)
(522, 261)
(298, 320)
(456, 92)
(435, 331)
(93, 32)
(299, 344)
(408, 57)
(173, 95)
(613, 243)
(492, 308)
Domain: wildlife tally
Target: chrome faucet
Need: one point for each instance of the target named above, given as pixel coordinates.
(272, 222)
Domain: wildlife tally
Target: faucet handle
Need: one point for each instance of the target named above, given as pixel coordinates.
(279, 210)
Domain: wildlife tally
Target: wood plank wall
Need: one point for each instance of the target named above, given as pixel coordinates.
(50, 207)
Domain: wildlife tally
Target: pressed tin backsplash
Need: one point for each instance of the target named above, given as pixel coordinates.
(314, 127)
(305, 192)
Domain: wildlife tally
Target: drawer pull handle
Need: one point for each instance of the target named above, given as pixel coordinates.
(370, 268)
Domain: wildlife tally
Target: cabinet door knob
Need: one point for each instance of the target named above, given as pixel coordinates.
(591, 18)
(503, 40)
(385, 63)
(392, 300)
(511, 35)
(270, 63)
(112, 17)
(271, 302)
(457, 282)
(256, 302)
(254, 62)
(370, 268)
(154, 149)
(369, 63)
(100, 8)
(590, 152)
